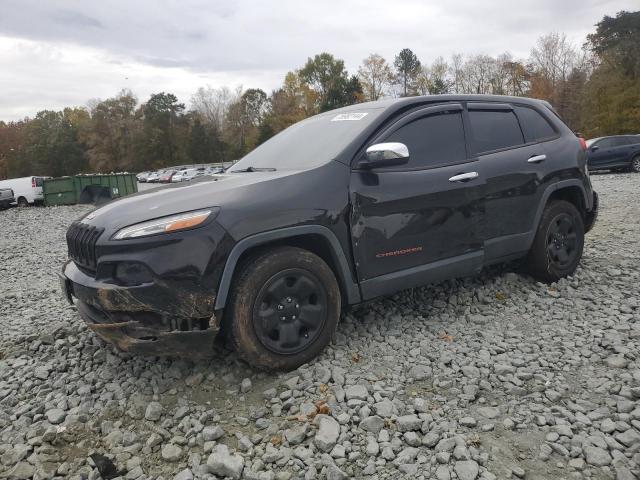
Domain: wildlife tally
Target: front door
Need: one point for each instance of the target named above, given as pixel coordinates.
(419, 222)
(602, 153)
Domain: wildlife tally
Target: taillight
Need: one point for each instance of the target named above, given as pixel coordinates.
(583, 144)
(33, 182)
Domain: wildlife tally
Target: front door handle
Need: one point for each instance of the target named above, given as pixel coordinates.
(537, 159)
(464, 177)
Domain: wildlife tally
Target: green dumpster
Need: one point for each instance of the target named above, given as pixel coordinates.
(88, 188)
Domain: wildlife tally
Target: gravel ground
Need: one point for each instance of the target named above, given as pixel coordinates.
(489, 377)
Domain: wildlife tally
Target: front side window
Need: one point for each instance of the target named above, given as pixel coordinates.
(433, 140)
(494, 130)
(605, 143)
(534, 126)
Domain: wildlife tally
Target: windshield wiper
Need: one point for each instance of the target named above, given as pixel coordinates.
(255, 169)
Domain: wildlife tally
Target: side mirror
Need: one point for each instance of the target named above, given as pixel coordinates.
(595, 148)
(385, 155)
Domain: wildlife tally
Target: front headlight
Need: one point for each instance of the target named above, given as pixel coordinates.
(173, 223)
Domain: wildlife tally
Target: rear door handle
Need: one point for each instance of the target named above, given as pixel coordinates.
(464, 177)
(537, 159)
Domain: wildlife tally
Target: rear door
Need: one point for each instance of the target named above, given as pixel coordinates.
(36, 183)
(620, 151)
(416, 223)
(512, 160)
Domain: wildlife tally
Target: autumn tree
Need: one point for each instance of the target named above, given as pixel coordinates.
(292, 102)
(329, 78)
(433, 79)
(243, 119)
(407, 68)
(611, 97)
(375, 76)
(110, 134)
(616, 42)
(212, 104)
(162, 129)
(553, 61)
(52, 146)
(12, 144)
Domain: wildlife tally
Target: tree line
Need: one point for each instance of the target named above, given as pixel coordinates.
(595, 88)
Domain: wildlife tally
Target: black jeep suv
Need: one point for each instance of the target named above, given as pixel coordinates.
(338, 209)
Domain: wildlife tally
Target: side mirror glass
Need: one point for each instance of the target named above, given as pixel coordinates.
(595, 148)
(385, 154)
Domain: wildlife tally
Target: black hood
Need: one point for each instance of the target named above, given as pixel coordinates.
(177, 198)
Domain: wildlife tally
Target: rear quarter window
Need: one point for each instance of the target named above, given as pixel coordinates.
(534, 126)
(494, 130)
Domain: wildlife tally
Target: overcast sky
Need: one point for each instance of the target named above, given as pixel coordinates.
(62, 53)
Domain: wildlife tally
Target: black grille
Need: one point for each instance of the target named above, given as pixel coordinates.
(81, 244)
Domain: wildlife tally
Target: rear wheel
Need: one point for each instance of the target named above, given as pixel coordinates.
(557, 247)
(284, 308)
(22, 202)
(635, 164)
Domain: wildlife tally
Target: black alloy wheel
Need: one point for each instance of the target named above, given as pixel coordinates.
(284, 308)
(557, 246)
(562, 240)
(290, 311)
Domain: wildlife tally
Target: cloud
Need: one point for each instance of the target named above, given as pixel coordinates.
(75, 19)
(64, 52)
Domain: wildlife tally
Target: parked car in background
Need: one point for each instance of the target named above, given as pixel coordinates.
(165, 177)
(143, 176)
(620, 152)
(153, 177)
(213, 170)
(185, 175)
(341, 208)
(6, 198)
(26, 190)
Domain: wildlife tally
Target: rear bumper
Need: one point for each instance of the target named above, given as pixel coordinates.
(140, 319)
(592, 215)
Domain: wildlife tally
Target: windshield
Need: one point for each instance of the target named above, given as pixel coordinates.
(309, 143)
(591, 141)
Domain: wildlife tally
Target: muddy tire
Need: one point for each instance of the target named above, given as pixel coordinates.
(557, 247)
(284, 308)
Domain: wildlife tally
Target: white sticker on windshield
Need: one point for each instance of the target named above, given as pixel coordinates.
(345, 117)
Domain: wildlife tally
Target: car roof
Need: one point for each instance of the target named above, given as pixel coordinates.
(394, 103)
(614, 136)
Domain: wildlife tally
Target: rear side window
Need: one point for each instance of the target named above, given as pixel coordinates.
(437, 139)
(493, 130)
(627, 141)
(534, 126)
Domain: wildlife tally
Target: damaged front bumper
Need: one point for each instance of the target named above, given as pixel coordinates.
(148, 319)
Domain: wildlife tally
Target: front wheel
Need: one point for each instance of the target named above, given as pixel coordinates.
(284, 308)
(557, 247)
(635, 164)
